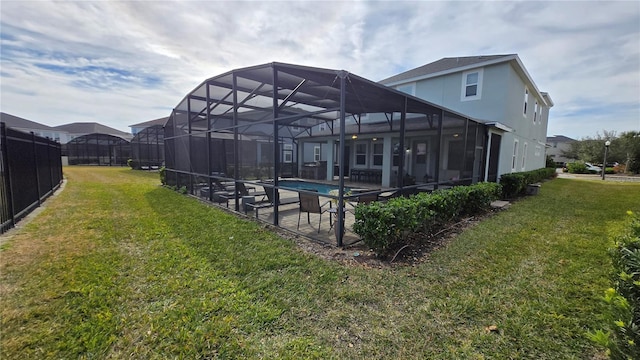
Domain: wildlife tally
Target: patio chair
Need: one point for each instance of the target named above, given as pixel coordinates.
(310, 203)
(270, 201)
(242, 190)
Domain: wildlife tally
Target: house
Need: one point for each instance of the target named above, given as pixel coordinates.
(557, 146)
(330, 125)
(38, 129)
(496, 90)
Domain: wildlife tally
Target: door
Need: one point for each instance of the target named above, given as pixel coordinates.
(494, 157)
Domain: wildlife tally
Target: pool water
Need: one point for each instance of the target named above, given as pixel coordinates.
(320, 188)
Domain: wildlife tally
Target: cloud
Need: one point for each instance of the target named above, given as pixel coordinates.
(121, 63)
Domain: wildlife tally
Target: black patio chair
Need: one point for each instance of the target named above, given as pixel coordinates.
(310, 203)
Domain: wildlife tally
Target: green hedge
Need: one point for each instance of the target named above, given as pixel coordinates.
(622, 339)
(515, 184)
(386, 226)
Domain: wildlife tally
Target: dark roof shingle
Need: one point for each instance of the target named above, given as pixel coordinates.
(443, 64)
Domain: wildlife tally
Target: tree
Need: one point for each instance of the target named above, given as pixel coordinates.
(624, 149)
(627, 149)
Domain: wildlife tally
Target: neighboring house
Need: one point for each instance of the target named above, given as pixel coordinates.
(38, 129)
(557, 146)
(78, 129)
(136, 128)
(496, 90)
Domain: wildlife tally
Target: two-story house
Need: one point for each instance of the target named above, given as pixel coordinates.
(496, 90)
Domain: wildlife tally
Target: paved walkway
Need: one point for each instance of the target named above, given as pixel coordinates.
(607, 177)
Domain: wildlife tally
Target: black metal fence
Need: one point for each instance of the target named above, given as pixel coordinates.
(30, 171)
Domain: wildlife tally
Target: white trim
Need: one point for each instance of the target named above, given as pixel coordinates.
(524, 156)
(526, 101)
(316, 153)
(365, 153)
(514, 157)
(478, 84)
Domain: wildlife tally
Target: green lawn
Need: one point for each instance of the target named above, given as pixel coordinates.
(119, 267)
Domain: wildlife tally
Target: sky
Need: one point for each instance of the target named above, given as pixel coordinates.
(120, 63)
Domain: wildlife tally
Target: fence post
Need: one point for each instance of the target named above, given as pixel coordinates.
(35, 162)
(7, 173)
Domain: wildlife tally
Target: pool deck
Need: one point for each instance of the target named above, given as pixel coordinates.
(288, 216)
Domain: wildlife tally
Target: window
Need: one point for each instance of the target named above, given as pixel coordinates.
(524, 155)
(535, 111)
(316, 153)
(526, 99)
(514, 158)
(295, 128)
(288, 153)
(538, 150)
(323, 126)
(378, 150)
(471, 85)
(361, 154)
(407, 88)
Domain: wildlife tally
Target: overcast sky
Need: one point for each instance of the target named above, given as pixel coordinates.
(121, 63)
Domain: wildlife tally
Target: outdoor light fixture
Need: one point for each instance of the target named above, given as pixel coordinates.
(354, 136)
(374, 139)
(604, 163)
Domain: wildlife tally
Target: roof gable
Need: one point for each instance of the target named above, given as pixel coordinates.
(160, 121)
(446, 65)
(452, 65)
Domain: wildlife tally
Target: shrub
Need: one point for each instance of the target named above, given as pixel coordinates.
(133, 164)
(385, 226)
(163, 175)
(515, 184)
(622, 339)
(577, 168)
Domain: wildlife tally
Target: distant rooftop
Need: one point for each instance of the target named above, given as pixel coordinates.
(160, 121)
(559, 138)
(82, 128)
(20, 123)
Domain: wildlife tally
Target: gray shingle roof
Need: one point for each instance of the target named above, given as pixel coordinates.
(20, 123)
(442, 65)
(91, 128)
(160, 121)
(559, 138)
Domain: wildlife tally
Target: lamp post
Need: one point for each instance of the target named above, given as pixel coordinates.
(604, 163)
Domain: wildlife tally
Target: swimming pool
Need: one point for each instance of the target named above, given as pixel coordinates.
(307, 185)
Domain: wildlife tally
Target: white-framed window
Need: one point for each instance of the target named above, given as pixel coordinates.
(524, 156)
(323, 126)
(378, 151)
(361, 154)
(514, 158)
(407, 88)
(316, 153)
(526, 100)
(535, 111)
(538, 150)
(471, 85)
(288, 153)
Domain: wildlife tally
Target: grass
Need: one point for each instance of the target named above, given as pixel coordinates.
(118, 267)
